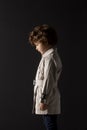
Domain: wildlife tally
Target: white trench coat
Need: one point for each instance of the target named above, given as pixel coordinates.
(46, 83)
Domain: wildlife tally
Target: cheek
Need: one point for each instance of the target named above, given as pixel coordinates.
(41, 49)
(38, 48)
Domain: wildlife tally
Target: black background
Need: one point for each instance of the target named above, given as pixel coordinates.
(18, 61)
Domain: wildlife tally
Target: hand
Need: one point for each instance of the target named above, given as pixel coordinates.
(43, 106)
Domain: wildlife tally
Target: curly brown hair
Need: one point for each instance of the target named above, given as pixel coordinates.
(43, 33)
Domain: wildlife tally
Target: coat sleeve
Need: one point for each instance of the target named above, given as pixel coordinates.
(49, 79)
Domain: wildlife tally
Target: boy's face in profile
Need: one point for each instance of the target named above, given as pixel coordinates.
(40, 47)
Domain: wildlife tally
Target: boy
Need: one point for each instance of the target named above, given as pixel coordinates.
(46, 92)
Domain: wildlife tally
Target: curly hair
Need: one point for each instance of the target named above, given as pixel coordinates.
(43, 33)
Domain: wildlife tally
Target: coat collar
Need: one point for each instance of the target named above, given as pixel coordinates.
(49, 52)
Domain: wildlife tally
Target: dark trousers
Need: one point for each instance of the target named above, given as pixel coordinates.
(50, 122)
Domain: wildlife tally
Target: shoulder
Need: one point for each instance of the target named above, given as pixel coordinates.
(48, 61)
(48, 58)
